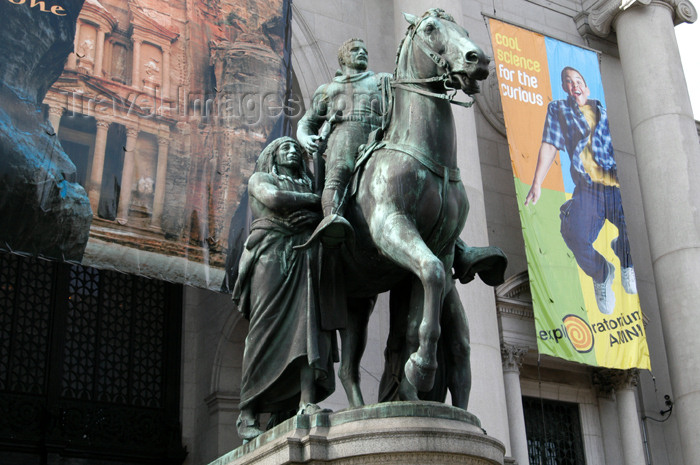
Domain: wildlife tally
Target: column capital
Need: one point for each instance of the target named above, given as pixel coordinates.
(56, 110)
(598, 20)
(132, 132)
(101, 123)
(512, 356)
(608, 380)
(163, 141)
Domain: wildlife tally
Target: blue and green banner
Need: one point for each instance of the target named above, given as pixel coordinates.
(581, 272)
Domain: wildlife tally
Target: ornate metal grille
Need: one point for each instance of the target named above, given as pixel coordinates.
(553, 432)
(89, 364)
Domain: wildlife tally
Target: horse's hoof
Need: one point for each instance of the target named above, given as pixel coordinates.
(248, 429)
(312, 409)
(407, 391)
(421, 376)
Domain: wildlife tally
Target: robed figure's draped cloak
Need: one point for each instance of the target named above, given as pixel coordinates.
(277, 289)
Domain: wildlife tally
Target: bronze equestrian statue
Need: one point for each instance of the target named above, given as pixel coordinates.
(407, 207)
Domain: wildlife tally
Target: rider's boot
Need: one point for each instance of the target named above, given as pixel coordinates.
(336, 229)
(333, 230)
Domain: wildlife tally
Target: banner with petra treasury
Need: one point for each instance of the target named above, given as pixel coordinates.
(128, 130)
(581, 271)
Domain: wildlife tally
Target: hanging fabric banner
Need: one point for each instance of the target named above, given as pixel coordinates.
(581, 271)
(135, 127)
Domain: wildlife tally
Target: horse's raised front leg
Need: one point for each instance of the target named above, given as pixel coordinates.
(397, 238)
(353, 341)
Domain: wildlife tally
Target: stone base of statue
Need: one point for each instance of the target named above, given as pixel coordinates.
(399, 433)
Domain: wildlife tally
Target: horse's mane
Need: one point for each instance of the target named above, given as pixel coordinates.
(435, 12)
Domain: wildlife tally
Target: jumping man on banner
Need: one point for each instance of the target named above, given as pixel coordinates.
(579, 125)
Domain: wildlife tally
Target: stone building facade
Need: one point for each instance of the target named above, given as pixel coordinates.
(126, 50)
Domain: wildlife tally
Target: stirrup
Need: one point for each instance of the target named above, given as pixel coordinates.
(332, 231)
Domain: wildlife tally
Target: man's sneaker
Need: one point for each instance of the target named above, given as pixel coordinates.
(604, 295)
(629, 280)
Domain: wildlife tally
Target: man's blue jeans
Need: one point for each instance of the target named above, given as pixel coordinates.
(582, 218)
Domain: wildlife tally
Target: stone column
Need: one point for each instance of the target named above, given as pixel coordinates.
(127, 176)
(603, 380)
(622, 385)
(136, 64)
(55, 114)
(161, 170)
(165, 93)
(99, 52)
(98, 163)
(668, 162)
(512, 361)
(628, 415)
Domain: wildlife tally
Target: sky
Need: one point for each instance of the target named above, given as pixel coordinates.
(688, 36)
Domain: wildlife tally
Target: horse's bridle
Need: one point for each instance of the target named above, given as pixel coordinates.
(441, 62)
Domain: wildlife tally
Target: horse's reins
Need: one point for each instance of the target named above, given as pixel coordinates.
(441, 62)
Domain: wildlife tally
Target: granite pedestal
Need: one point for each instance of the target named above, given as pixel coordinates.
(399, 433)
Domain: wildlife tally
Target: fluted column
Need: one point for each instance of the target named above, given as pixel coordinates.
(99, 52)
(98, 163)
(668, 162)
(161, 170)
(512, 361)
(127, 176)
(55, 114)
(136, 64)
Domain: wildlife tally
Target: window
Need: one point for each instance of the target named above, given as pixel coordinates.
(89, 365)
(553, 432)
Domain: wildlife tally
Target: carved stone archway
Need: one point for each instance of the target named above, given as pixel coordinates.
(310, 68)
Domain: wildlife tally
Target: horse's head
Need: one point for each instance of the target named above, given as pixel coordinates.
(439, 46)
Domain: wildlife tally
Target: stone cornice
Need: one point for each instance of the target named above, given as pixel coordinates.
(146, 28)
(598, 19)
(222, 401)
(93, 11)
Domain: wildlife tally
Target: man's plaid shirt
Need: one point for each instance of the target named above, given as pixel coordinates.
(567, 129)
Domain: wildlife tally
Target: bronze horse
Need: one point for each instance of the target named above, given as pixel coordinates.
(408, 210)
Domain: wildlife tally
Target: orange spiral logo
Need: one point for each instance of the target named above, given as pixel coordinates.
(579, 332)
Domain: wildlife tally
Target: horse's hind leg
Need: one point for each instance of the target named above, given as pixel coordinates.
(397, 238)
(457, 353)
(353, 341)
